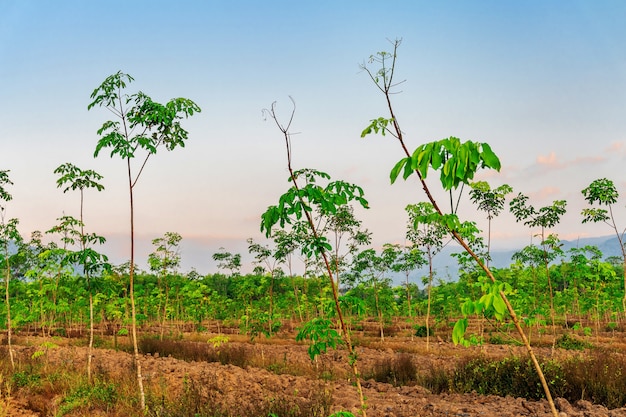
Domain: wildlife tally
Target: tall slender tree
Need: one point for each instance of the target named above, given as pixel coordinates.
(456, 161)
(165, 261)
(142, 126)
(604, 193)
(545, 218)
(74, 178)
(8, 234)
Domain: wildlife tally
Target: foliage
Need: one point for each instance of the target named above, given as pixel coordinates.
(569, 342)
(321, 334)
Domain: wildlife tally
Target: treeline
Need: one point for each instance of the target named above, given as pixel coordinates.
(50, 300)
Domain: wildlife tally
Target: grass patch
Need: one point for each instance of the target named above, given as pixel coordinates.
(399, 370)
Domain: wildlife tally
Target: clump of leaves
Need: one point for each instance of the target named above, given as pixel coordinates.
(570, 342)
(98, 396)
(423, 331)
(321, 334)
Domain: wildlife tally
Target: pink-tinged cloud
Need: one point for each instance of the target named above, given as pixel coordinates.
(586, 160)
(549, 161)
(615, 147)
(545, 193)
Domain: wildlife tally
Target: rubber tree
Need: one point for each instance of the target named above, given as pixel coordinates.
(491, 201)
(264, 257)
(304, 197)
(8, 234)
(428, 236)
(72, 178)
(456, 161)
(408, 258)
(164, 261)
(347, 235)
(371, 269)
(545, 218)
(228, 260)
(604, 193)
(286, 244)
(141, 127)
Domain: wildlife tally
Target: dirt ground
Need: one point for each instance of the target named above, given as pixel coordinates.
(232, 384)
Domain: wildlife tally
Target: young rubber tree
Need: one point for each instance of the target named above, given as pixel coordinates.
(286, 244)
(457, 162)
(347, 236)
(604, 193)
(371, 269)
(408, 259)
(490, 201)
(74, 178)
(304, 197)
(545, 218)
(141, 128)
(228, 260)
(165, 261)
(264, 257)
(428, 236)
(8, 234)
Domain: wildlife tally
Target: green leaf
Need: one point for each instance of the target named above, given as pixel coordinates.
(458, 332)
(489, 157)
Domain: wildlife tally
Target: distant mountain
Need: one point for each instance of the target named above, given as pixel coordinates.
(447, 269)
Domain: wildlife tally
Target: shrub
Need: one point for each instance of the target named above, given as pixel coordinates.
(397, 371)
(571, 343)
(420, 330)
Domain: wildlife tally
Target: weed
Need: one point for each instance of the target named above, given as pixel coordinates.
(572, 343)
(397, 371)
(200, 400)
(599, 377)
(99, 396)
(420, 331)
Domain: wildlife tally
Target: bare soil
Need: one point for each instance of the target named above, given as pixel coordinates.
(292, 374)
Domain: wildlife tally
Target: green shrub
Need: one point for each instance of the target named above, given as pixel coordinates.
(420, 330)
(572, 343)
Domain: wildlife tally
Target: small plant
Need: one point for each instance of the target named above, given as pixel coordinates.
(423, 331)
(568, 342)
(218, 340)
(99, 396)
(398, 371)
(321, 334)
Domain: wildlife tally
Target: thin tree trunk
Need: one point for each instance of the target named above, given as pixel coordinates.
(7, 278)
(131, 274)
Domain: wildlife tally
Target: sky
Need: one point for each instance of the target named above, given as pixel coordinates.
(544, 83)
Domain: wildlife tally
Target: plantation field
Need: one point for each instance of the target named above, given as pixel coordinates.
(228, 374)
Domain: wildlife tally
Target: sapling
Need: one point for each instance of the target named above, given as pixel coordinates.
(408, 259)
(491, 201)
(371, 269)
(456, 161)
(545, 217)
(286, 244)
(263, 256)
(299, 203)
(427, 235)
(604, 193)
(74, 178)
(8, 234)
(142, 126)
(228, 260)
(165, 261)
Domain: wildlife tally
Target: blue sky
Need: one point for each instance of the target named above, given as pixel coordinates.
(543, 82)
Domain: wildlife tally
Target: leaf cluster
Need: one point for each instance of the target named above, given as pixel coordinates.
(322, 335)
(457, 161)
